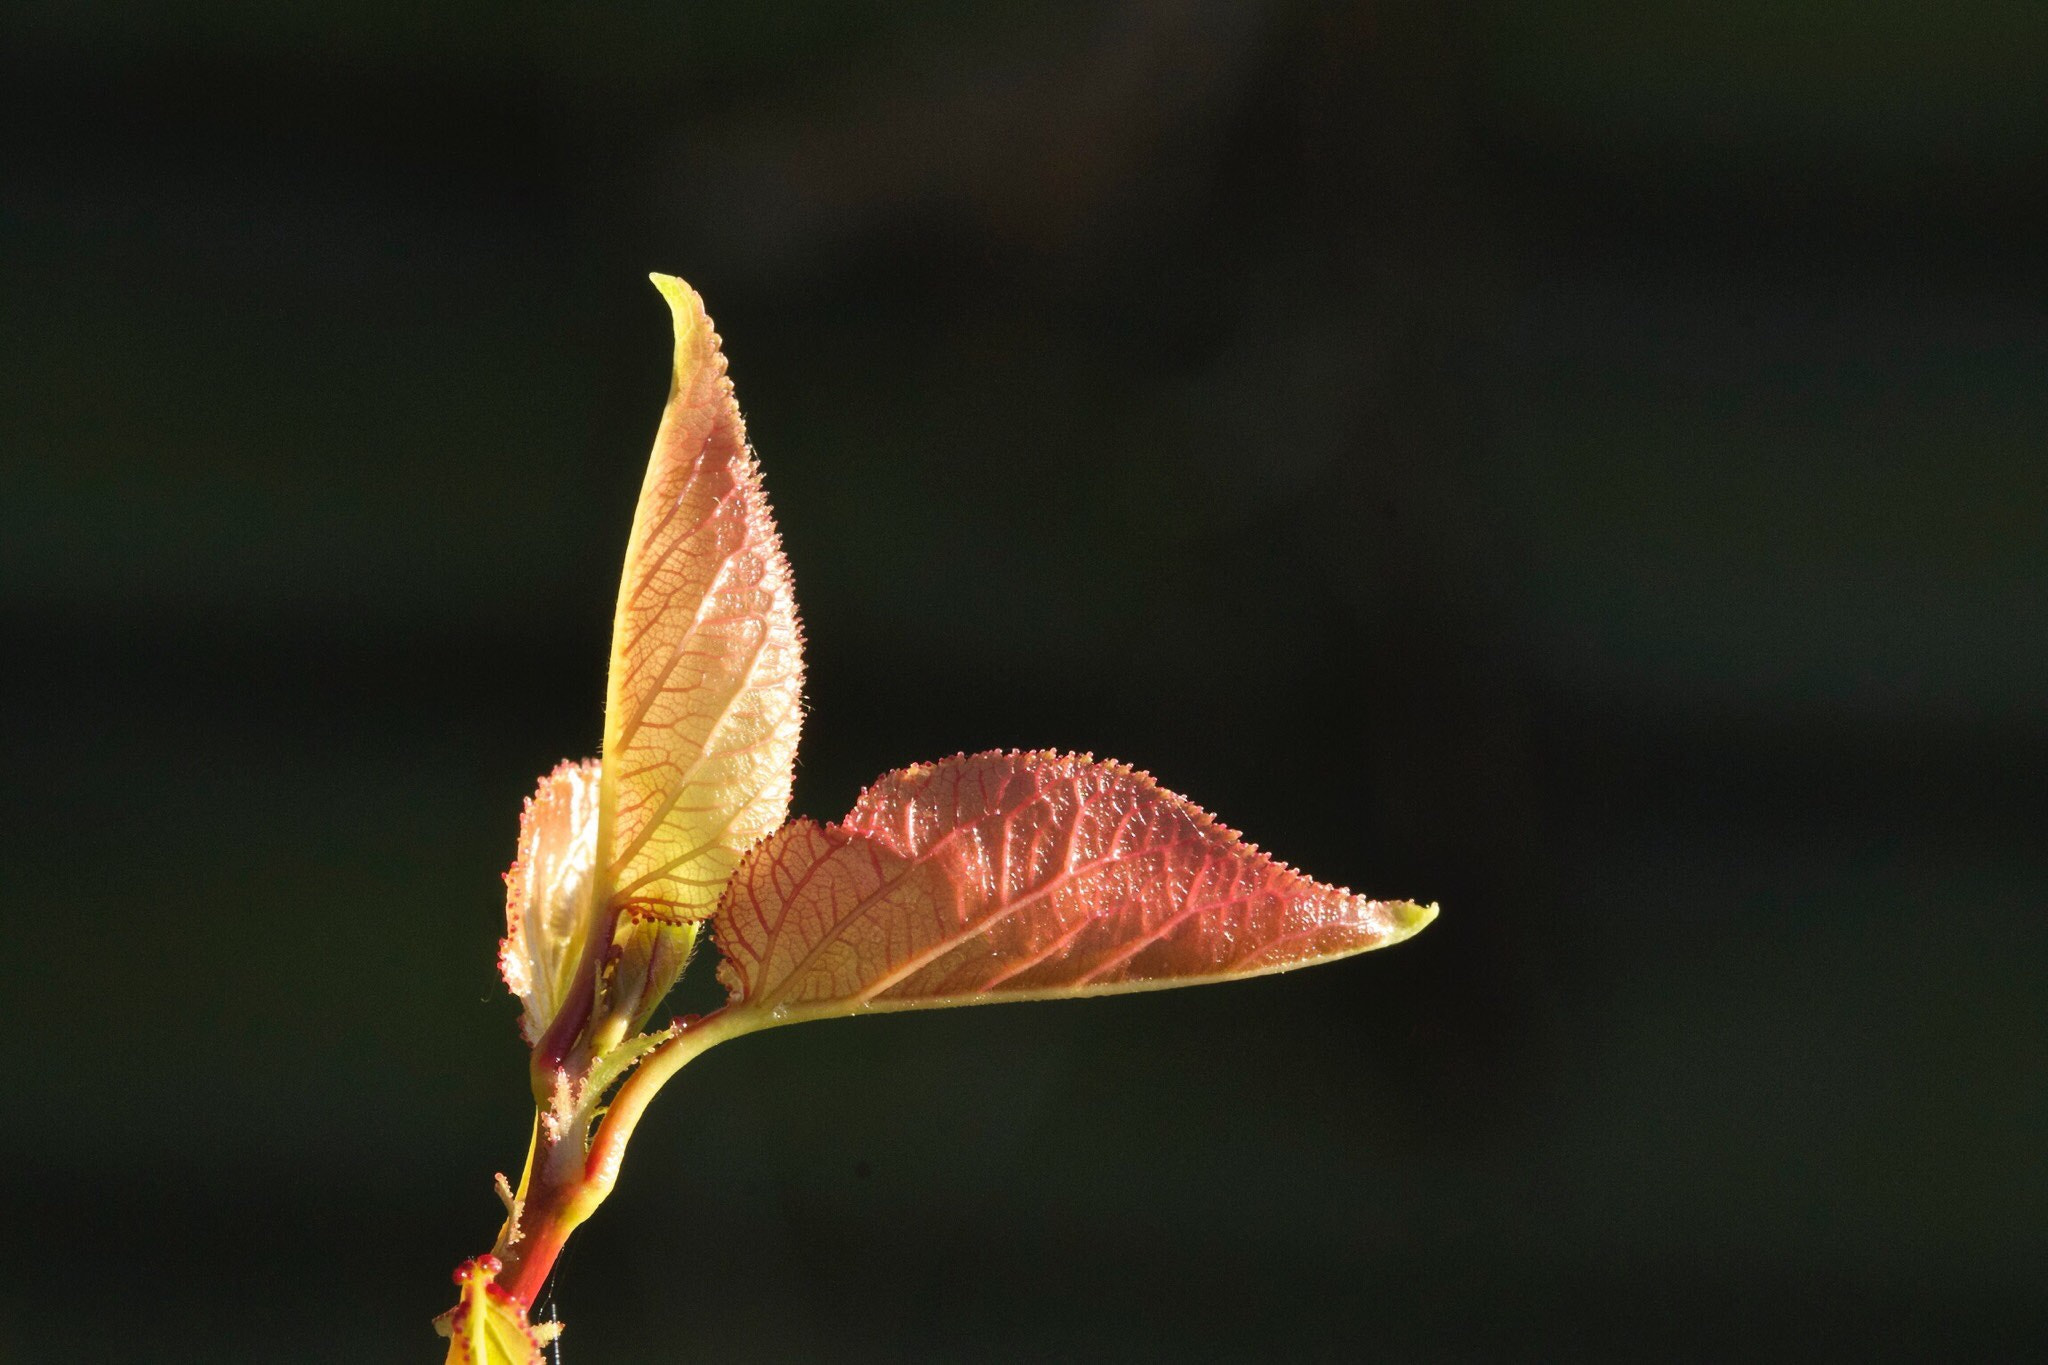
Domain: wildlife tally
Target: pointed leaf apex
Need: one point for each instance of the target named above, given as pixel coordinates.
(686, 308)
(1411, 918)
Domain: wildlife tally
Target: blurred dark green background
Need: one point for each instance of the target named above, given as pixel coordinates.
(1581, 463)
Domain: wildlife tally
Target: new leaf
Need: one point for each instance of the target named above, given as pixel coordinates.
(1017, 876)
(619, 860)
(705, 696)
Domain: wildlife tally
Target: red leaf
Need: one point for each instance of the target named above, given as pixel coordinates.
(1008, 876)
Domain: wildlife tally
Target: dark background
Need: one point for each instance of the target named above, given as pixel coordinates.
(1579, 463)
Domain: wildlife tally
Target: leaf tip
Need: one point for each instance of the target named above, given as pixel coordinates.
(1410, 919)
(674, 288)
(686, 309)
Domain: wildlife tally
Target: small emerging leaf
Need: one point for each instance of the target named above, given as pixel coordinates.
(705, 696)
(549, 900)
(488, 1326)
(1021, 876)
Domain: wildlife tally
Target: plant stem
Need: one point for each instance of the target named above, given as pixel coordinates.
(570, 1172)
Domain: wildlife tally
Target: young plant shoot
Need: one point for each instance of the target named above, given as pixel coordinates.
(977, 878)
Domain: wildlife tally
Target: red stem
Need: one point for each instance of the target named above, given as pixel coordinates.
(543, 1231)
(569, 1175)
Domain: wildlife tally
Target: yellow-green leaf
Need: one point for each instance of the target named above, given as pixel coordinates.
(488, 1326)
(705, 696)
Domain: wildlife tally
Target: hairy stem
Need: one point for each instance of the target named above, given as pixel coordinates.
(570, 1171)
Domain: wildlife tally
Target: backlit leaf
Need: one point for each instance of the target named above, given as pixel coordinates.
(549, 900)
(704, 703)
(1020, 876)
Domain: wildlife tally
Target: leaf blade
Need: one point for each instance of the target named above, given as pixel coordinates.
(549, 894)
(704, 699)
(1021, 876)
